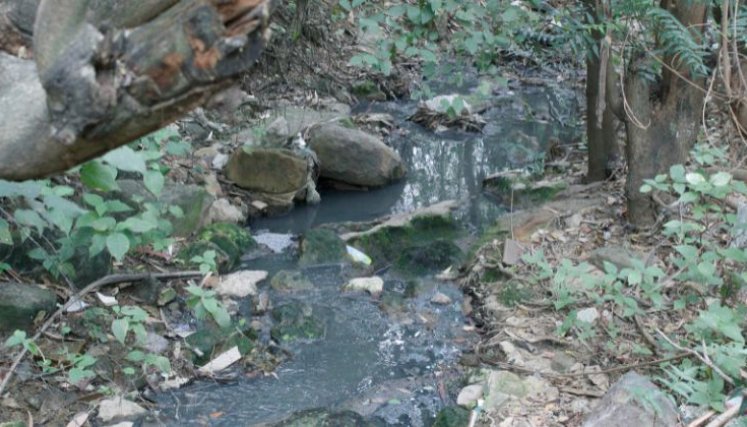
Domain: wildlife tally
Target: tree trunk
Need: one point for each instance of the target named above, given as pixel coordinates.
(100, 80)
(601, 133)
(662, 123)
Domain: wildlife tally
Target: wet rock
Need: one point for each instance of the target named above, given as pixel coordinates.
(223, 211)
(355, 157)
(193, 200)
(20, 304)
(373, 285)
(321, 246)
(294, 321)
(441, 299)
(393, 304)
(325, 418)
(452, 416)
(633, 400)
(229, 241)
(240, 284)
(119, 408)
(468, 395)
(276, 242)
(290, 281)
(415, 243)
(272, 171)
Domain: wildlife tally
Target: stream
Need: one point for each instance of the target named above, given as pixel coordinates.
(389, 362)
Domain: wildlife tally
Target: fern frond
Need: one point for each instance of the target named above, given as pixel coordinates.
(678, 42)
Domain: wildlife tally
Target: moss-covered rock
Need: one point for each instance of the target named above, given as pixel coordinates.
(210, 340)
(321, 246)
(368, 90)
(20, 304)
(229, 241)
(423, 245)
(294, 321)
(452, 416)
(290, 281)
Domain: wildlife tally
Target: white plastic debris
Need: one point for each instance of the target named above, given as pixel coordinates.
(358, 256)
(107, 300)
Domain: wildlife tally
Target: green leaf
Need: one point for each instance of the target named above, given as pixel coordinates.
(18, 338)
(154, 182)
(160, 362)
(5, 236)
(720, 179)
(118, 244)
(98, 176)
(77, 375)
(135, 356)
(119, 329)
(137, 225)
(126, 159)
(677, 172)
(30, 218)
(694, 179)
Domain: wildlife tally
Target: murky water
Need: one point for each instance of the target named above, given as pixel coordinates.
(388, 366)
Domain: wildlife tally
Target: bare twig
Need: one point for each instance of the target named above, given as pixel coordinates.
(700, 357)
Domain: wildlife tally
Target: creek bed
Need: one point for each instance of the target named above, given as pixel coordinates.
(389, 359)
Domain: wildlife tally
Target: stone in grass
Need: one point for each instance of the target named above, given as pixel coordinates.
(452, 416)
(119, 408)
(440, 298)
(322, 246)
(295, 321)
(633, 400)
(20, 304)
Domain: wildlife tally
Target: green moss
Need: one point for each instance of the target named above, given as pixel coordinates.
(512, 293)
(229, 241)
(294, 321)
(424, 246)
(452, 416)
(368, 90)
(321, 246)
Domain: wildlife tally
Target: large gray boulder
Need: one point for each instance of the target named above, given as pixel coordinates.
(633, 401)
(354, 157)
(20, 304)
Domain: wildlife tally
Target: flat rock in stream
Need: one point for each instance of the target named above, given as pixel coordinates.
(372, 285)
(633, 401)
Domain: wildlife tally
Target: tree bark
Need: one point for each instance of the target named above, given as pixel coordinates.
(601, 134)
(107, 72)
(662, 126)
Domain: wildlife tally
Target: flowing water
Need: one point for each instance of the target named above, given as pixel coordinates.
(388, 365)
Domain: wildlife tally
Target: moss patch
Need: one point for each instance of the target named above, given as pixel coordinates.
(424, 246)
(296, 320)
(321, 246)
(229, 241)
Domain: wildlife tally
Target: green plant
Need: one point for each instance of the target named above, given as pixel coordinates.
(206, 261)
(204, 302)
(61, 221)
(700, 273)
